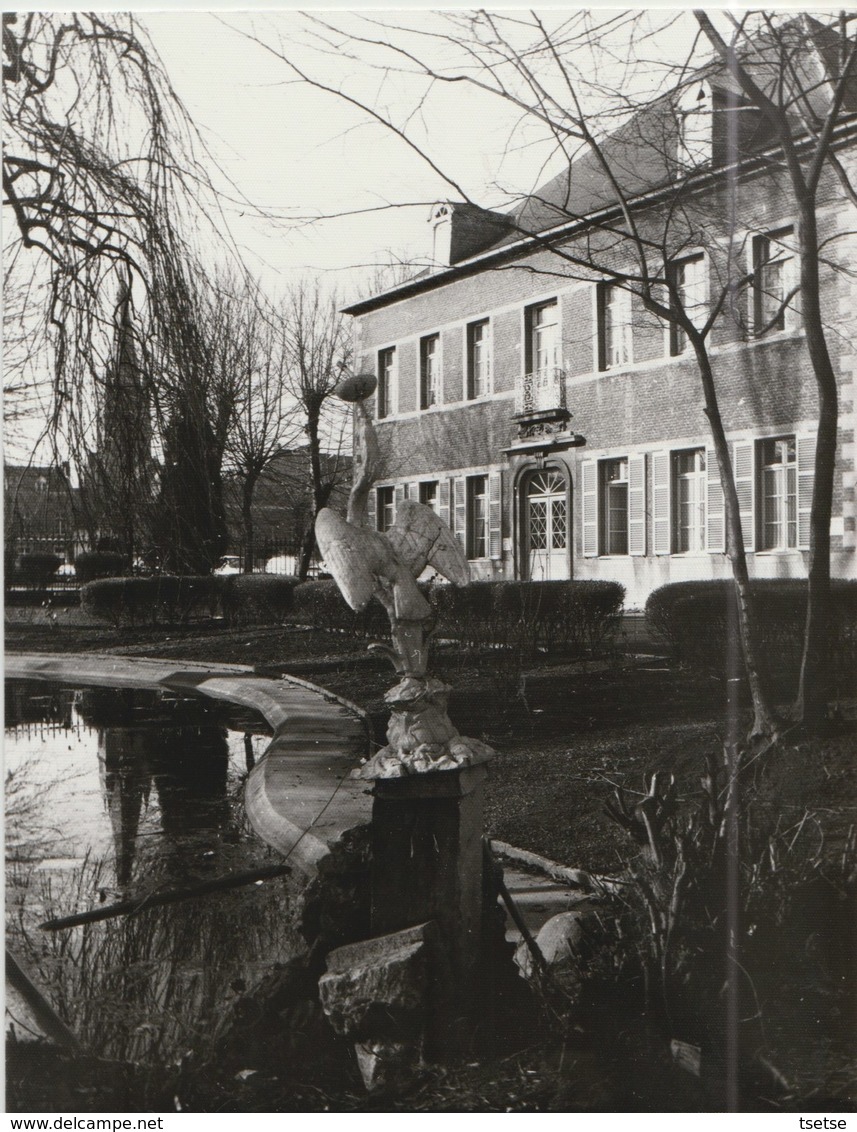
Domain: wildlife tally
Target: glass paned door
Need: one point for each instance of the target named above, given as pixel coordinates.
(546, 526)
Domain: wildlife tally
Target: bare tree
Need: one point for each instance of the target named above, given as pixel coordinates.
(249, 339)
(316, 349)
(801, 78)
(100, 175)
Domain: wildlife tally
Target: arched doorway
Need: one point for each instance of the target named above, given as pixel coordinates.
(545, 525)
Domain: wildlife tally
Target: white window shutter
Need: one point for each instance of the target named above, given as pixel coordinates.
(393, 391)
(589, 495)
(628, 350)
(460, 511)
(443, 501)
(372, 508)
(399, 497)
(495, 515)
(805, 481)
(661, 502)
(637, 505)
(714, 508)
(743, 465)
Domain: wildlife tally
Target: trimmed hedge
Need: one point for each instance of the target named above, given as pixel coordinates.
(163, 599)
(37, 569)
(693, 618)
(321, 605)
(252, 599)
(522, 615)
(565, 615)
(94, 564)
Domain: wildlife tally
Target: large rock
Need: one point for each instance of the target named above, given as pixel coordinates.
(568, 942)
(378, 989)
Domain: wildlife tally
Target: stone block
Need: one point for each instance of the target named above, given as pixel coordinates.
(378, 989)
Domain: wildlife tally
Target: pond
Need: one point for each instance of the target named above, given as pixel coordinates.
(118, 795)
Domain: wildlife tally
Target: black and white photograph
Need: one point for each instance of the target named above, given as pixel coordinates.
(430, 562)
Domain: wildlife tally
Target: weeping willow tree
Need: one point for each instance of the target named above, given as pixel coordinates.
(106, 198)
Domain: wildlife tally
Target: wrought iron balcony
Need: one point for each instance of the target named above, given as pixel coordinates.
(541, 392)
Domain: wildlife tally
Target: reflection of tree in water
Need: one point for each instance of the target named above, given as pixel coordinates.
(154, 984)
(177, 744)
(33, 701)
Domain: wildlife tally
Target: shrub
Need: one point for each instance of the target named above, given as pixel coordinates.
(693, 618)
(99, 564)
(250, 599)
(519, 616)
(321, 605)
(569, 615)
(37, 569)
(165, 599)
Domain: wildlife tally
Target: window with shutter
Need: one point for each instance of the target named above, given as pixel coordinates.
(637, 505)
(372, 511)
(689, 487)
(477, 516)
(495, 515)
(662, 543)
(386, 508)
(427, 491)
(805, 480)
(715, 514)
(778, 489)
(400, 495)
(589, 498)
(613, 505)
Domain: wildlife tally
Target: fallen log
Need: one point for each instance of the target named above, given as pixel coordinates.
(574, 878)
(171, 896)
(44, 1014)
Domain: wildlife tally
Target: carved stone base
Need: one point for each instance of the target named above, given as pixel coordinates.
(421, 738)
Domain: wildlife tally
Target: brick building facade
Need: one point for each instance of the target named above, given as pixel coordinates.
(559, 427)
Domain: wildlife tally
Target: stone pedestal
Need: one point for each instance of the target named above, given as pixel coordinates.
(427, 865)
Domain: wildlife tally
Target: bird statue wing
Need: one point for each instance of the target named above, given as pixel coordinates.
(421, 539)
(347, 551)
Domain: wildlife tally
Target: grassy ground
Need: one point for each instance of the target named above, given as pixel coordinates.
(566, 736)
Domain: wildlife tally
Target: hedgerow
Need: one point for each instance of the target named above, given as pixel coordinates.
(253, 599)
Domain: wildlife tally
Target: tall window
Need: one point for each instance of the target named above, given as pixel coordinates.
(542, 325)
(478, 359)
(386, 508)
(429, 371)
(614, 506)
(778, 468)
(428, 494)
(386, 377)
(688, 277)
(614, 326)
(477, 517)
(773, 281)
(689, 490)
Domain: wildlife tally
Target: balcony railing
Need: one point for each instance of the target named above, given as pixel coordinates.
(540, 392)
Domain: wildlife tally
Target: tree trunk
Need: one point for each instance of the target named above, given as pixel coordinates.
(811, 701)
(319, 495)
(247, 492)
(764, 720)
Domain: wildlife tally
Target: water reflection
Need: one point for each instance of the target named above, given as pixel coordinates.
(116, 794)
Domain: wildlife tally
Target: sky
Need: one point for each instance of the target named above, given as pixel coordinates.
(284, 154)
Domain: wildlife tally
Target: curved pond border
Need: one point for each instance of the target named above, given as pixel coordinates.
(300, 797)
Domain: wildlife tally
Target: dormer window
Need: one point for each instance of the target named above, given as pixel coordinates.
(696, 127)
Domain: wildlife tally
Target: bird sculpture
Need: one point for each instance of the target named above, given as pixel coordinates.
(366, 563)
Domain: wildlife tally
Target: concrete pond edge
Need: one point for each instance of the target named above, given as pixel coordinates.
(300, 797)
